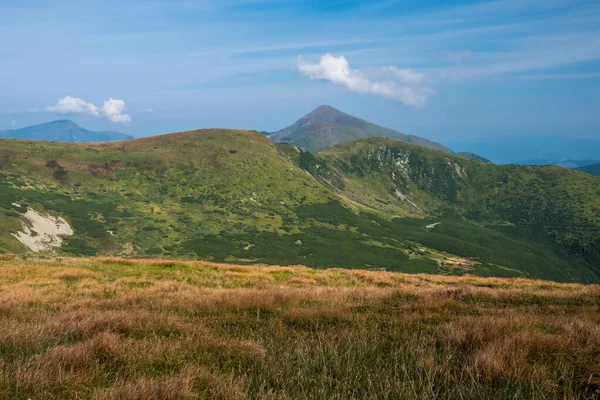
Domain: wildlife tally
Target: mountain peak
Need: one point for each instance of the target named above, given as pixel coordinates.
(324, 108)
(62, 122)
(324, 114)
(326, 126)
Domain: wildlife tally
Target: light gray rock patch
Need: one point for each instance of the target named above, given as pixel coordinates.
(41, 233)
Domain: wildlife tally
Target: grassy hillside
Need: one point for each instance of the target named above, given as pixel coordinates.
(152, 329)
(325, 127)
(156, 193)
(235, 196)
(213, 194)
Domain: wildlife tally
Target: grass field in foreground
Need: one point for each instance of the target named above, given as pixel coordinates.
(109, 328)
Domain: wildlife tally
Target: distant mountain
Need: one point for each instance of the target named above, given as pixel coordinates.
(593, 169)
(512, 149)
(325, 127)
(563, 163)
(472, 156)
(62, 131)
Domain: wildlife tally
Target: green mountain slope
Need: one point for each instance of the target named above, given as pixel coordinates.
(236, 196)
(593, 169)
(62, 131)
(155, 192)
(555, 209)
(325, 127)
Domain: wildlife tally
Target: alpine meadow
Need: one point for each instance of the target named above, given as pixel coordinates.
(281, 200)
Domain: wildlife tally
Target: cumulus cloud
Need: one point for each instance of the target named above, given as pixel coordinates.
(112, 109)
(397, 83)
(73, 105)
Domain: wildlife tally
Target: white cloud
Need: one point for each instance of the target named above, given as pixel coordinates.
(13, 124)
(74, 105)
(405, 75)
(112, 109)
(145, 110)
(396, 83)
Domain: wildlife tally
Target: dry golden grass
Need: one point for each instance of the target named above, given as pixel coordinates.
(109, 328)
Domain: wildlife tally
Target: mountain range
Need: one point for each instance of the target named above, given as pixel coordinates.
(530, 149)
(236, 196)
(593, 169)
(62, 131)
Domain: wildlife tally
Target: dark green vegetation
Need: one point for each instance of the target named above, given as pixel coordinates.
(485, 211)
(325, 127)
(593, 169)
(376, 203)
(117, 329)
(62, 131)
(472, 156)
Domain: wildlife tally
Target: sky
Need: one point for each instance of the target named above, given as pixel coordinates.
(447, 70)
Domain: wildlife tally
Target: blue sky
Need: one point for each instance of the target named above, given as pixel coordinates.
(445, 70)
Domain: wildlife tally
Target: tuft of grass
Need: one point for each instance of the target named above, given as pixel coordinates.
(76, 274)
(110, 328)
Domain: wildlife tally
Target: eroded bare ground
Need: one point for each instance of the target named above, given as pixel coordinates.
(42, 232)
(155, 329)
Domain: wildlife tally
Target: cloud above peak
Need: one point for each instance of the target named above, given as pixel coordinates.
(401, 84)
(112, 109)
